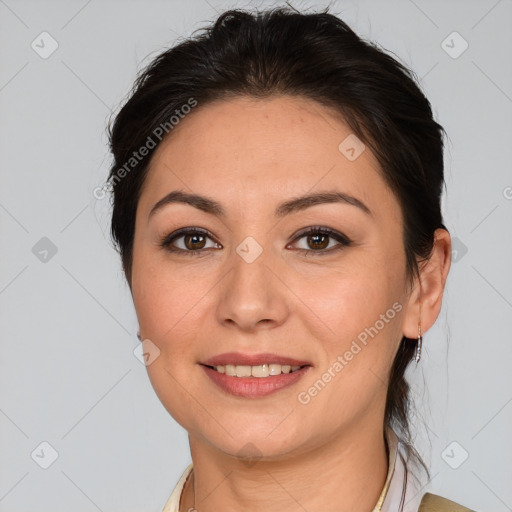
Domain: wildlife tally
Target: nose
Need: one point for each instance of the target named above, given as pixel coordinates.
(252, 296)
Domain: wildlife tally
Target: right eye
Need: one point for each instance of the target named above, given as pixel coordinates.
(193, 241)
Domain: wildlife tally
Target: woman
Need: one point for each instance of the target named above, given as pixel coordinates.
(276, 205)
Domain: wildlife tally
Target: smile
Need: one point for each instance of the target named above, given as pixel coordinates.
(242, 382)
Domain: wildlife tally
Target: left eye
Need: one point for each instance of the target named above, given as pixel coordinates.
(317, 240)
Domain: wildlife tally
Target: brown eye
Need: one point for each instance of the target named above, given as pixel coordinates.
(320, 240)
(188, 241)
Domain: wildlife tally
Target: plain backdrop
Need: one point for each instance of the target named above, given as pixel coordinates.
(80, 426)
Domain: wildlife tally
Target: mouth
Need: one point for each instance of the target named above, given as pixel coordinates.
(254, 376)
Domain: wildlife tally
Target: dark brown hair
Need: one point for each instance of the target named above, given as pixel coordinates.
(314, 56)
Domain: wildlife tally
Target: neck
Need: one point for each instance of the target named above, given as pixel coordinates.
(344, 474)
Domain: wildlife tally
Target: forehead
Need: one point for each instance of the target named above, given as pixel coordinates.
(255, 150)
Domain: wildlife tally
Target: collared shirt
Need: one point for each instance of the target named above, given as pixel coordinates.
(399, 494)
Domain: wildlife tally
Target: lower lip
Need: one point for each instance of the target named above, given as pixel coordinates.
(254, 387)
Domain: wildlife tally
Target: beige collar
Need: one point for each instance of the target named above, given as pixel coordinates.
(392, 442)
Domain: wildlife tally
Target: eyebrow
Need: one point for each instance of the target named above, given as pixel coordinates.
(211, 206)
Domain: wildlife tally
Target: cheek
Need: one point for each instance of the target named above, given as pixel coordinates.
(167, 308)
(169, 304)
(166, 312)
(172, 315)
(347, 299)
(358, 322)
(362, 311)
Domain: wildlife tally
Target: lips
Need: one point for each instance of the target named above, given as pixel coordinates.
(238, 359)
(254, 387)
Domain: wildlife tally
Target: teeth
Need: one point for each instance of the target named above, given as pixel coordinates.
(263, 370)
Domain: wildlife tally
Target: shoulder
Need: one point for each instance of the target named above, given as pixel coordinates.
(434, 503)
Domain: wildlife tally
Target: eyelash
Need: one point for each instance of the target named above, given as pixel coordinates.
(343, 240)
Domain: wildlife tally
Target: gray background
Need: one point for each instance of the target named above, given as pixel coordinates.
(68, 374)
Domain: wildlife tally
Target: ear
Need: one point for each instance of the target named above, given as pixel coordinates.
(426, 297)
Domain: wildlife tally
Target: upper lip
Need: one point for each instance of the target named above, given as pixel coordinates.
(236, 358)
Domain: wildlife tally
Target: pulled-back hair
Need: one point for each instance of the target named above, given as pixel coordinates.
(312, 56)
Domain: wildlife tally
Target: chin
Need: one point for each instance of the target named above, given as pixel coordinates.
(257, 443)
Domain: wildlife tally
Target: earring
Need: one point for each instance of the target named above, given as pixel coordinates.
(418, 346)
(138, 335)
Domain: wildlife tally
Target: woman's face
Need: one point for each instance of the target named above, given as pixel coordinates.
(258, 285)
